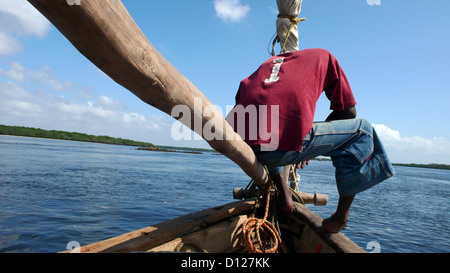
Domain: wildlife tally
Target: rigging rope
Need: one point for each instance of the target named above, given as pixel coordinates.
(295, 190)
(260, 235)
(294, 21)
(253, 229)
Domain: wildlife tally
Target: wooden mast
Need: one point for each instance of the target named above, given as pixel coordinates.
(105, 33)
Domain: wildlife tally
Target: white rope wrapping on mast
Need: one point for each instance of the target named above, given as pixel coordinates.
(288, 8)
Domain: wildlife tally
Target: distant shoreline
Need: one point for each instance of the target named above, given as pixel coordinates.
(74, 136)
(158, 149)
(428, 166)
(415, 165)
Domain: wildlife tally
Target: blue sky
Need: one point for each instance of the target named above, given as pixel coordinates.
(396, 56)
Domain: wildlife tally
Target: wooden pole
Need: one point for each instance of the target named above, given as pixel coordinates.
(105, 33)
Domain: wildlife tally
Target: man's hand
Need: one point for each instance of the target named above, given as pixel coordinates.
(303, 164)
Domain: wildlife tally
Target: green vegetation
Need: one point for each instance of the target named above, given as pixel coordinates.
(430, 166)
(63, 135)
(33, 132)
(186, 149)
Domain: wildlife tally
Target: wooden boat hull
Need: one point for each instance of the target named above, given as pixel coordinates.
(217, 230)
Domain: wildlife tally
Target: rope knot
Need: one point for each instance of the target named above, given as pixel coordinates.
(294, 22)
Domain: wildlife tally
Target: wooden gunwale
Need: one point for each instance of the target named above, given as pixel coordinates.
(223, 221)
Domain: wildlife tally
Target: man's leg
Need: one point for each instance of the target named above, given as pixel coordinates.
(286, 204)
(356, 152)
(274, 160)
(338, 220)
(359, 159)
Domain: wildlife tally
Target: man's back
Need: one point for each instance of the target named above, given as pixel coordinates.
(294, 82)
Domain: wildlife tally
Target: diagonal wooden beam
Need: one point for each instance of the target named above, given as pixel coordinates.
(105, 33)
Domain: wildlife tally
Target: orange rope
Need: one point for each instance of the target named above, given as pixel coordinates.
(256, 227)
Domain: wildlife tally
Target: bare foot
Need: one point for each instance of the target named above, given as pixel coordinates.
(334, 225)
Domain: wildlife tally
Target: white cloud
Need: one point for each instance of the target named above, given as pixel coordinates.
(19, 73)
(10, 91)
(19, 18)
(39, 99)
(109, 103)
(16, 72)
(231, 10)
(8, 45)
(413, 149)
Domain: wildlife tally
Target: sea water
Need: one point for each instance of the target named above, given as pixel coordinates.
(54, 192)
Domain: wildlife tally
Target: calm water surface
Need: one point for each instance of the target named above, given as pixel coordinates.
(53, 192)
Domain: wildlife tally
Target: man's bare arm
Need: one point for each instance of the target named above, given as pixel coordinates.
(348, 113)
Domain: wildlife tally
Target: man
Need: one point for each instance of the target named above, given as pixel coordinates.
(289, 85)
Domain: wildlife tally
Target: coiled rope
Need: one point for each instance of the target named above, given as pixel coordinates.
(260, 235)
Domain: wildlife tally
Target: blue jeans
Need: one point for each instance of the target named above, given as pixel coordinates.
(355, 150)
